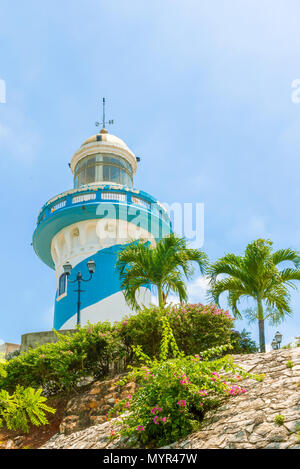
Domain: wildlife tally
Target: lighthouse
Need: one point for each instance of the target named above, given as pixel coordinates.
(92, 222)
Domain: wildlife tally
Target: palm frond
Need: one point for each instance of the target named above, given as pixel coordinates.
(288, 254)
(229, 284)
(163, 266)
(288, 275)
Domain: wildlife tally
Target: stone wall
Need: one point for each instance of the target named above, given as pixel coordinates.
(8, 347)
(244, 421)
(93, 405)
(34, 339)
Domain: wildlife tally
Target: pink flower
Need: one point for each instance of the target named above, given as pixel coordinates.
(140, 428)
(181, 403)
(235, 390)
(155, 420)
(156, 409)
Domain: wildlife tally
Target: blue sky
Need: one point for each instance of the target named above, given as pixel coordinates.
(201, 90)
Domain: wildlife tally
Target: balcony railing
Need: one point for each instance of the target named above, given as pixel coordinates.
(67, 200)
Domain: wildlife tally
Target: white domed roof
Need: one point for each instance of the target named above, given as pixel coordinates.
(107, 138)
(106, 143)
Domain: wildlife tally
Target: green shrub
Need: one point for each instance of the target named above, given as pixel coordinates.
(3, 372)
(195, 327)
(22, 407)
(279, 419)
(242, 342)
(60, 366)
(175, 391)
(289, 364)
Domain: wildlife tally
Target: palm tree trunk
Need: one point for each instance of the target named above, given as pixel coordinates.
(161, 303)
(261, 326)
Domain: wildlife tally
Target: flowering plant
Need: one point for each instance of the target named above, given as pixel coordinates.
(175, 391)
(195, 327)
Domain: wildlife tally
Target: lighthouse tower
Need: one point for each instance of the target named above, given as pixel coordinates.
(93, 221)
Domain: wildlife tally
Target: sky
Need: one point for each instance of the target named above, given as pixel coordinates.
(201, 90)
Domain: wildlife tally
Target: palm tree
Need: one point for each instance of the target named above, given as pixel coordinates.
(162, 266)
(256, 275)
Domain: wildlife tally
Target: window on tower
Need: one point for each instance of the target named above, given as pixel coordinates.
(62, 283)
(103, 168)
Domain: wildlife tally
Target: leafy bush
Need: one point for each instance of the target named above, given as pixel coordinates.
(242, 343)
(13, 354)
(23, 406)
(279, 419)
(60, 366)
(195, 327)
(175, 391)
(3, 372)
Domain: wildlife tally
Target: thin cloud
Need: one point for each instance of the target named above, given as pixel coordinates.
(197, 292)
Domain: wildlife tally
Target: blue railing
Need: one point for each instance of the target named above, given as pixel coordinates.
(105, 194)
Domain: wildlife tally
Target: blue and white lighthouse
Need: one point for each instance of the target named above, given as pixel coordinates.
(93, 221)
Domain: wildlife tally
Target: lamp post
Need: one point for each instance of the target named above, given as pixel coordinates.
(278, 338)
(276, 341)
(274, 344)
(68, 269)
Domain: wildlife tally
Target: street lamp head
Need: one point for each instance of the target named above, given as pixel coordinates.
(278, 337)
(274, 344)
(67, 268)
(91, 266)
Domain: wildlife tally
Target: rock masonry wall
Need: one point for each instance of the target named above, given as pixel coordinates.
(245, 421)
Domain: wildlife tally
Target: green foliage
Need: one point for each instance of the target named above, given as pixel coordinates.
(289, 364)
(242, 342)
(23, 406)
(279, 419)
(175, 391)
(195, 328)
(164, 266)
(261, 377)
(13, 354)
(3, 372)
(60, 366)
(256, 275)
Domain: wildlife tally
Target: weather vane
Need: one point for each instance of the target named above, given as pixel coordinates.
(110, 122)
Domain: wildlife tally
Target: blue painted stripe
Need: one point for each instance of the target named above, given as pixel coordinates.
(105, 282)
